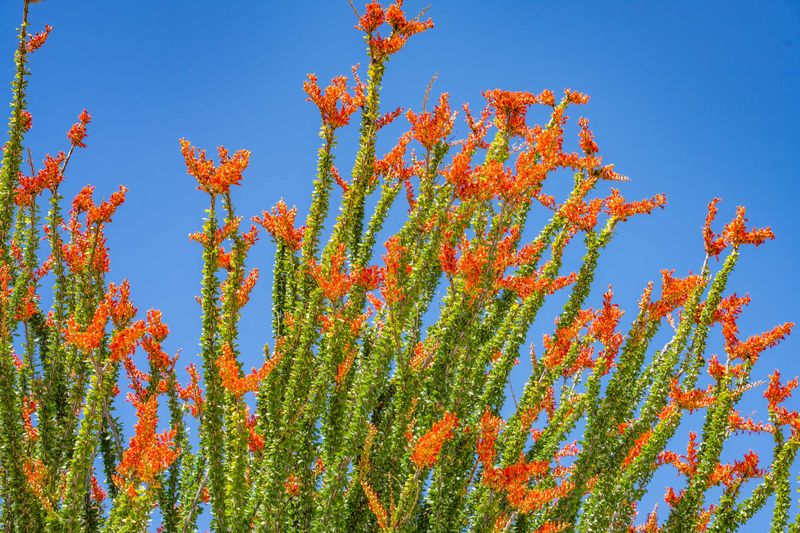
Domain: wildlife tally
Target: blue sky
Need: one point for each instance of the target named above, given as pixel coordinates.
(693, 99)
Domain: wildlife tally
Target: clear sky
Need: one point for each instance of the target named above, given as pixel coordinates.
(693, 99)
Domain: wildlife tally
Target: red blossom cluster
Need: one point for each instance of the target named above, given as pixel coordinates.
(618, 208)
(402, 28)
(279, 222)
(232, 378)
(692, 399)
(426, 449)
(735, 233)
(748, 350)
(49, 177)
(432, 127)
(26, 120)
(722, 474)
(510, 108)
(674, 293)
(37, 40)
(514, 481)
(214, 179)
(77, 132)
(335, 104)
(149, 453)
(776, 394)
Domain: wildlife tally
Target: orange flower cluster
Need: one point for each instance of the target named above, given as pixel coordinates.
(29, 407)
(214, 179)
(335, 104)
(393, 166)
(347, 363)
(509, 109)
(122, 308)
(255, 442)
(750, 349)
(586, 138)
(49, 177)
(618, 208)
(723, 474)
(279, 222)
(77, 132)
(674, 293)
(490, 426)
(247, 286)
(335, 281)
(560, 345)
(581, 215)
(514, 480)
(604, 329)
(637, 448)
(422, 356)
(574, 97)
(292, 485)
(692, 399)
(100, 214)
(734, 233)
(402, 28)
(738, 423)
(156, 332)
(37, 40)
(375, 505)
(527, 286)
(89, 338)
(97, 492)
(124, 342)
(232, 379)
(192, 392)
(26, 120)
(148, 453)
(777, 394)
(431, 128)
(483, 266)
(394, 270)
(427, 448)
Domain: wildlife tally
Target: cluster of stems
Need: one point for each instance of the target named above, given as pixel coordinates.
(384, 401)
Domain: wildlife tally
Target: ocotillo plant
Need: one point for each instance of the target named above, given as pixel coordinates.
(377, 407)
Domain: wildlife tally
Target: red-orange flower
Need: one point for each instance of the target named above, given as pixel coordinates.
(149, 453)
(618, 208)
(674, 293)
(89, 338)
(402, 28)
(192, 392)
(489, 430)
(335, 104)
(427, 448)
(232, 379)
(279, 222)
(37, 40)
(394, 272)
(375, 505)
(574, 97)
(99, 214)
(26, 120)
(510, 108)
(334, 281)
(77, 132)
(750, 349)
(691, 399)
(431, 128)
(734, 233)
(214, 179)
